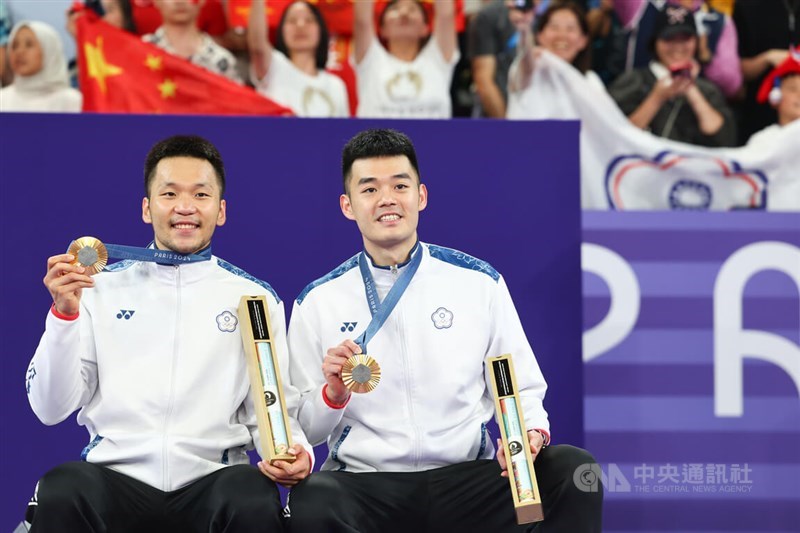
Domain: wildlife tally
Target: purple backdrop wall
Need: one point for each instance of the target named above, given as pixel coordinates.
(505, 192)
(692, 390)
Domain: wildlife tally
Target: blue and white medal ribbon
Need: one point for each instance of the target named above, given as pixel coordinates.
(361, 373)
(91, 253)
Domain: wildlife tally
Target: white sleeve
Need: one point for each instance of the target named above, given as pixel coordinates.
(62, 375)
(374, 54)
(316, 417)
(434, 52)
(276, 71)
(509, 337)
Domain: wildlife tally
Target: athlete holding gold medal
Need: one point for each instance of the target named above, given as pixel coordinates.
(150, 352)
(414, 453)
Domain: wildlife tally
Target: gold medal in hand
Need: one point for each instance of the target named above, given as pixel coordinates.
(89, 253)
(361, 373)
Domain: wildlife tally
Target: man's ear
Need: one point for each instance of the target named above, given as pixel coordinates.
(222, 216)
(146, 211)
(423, 196)
(346, 207)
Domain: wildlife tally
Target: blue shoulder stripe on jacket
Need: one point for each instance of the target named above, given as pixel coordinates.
(460, 259)
(120, 265)
(333, 274)
(233, 269)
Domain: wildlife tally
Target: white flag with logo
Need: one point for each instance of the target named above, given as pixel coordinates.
(624, 167)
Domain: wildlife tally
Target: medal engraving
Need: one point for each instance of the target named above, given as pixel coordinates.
(361, 373)
(87, 256)
(89, 253)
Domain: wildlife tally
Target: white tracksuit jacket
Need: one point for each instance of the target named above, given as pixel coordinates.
(434, 396)
(156, 365)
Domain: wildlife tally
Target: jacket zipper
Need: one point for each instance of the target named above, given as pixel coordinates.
(171, 398)
(407, 372)
(409, 388)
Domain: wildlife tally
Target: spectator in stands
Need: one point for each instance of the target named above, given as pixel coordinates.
(767, 29)
(781, 88)
(118, 13)
(492, 46)
(717, 39)
(179, 35)
(293, 73)
(36, 57)
(212, 20)
(563, 31)
(410, 77)
(5, 31)
(608, 40)
(668, 98)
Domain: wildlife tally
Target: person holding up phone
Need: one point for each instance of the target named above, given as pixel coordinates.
(669, 98)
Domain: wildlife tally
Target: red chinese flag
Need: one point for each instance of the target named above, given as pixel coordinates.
(121, 74)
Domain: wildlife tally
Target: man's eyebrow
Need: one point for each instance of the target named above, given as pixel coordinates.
(370, 179)
(196, 185)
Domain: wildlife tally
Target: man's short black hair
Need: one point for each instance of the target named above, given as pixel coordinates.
(376, 143)
(184, 146)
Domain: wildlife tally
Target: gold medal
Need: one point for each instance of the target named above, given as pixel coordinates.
(89, 253)
(361, 373)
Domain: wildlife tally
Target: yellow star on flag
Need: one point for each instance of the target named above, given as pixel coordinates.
(168, 89)
(97, 66)
(153, 62)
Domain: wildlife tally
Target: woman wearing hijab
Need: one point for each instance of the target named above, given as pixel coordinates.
(40, 82)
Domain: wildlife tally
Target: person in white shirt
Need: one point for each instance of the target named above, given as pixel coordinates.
(563, 31)
(293, 73)
(411, 76)
(180, 36)
(150, 353)
(415, 454)
(41, 84)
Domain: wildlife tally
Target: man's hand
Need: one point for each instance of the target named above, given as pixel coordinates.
(536, 441)
(65, 282)
(285, 473)
(332, 370)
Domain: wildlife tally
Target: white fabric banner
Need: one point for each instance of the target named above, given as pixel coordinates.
(625, 168)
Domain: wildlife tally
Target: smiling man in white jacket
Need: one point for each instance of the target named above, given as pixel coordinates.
(414, 454)
(151, 353)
